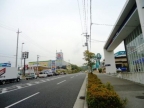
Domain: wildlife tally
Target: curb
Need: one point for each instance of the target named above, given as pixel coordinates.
(81, 103)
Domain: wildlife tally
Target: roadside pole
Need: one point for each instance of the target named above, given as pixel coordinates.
(24, 66)
(17, 48)
(37, 63)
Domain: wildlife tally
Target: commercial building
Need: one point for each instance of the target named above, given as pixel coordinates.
(130, 29)
(47, 63)
(121, 59)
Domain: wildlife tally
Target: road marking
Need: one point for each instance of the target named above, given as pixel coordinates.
(28, 84)
(43, 80)
(5, 90)
(61, 81)
(37, 82)
(72, 77)
(19, 87)
(22, 100)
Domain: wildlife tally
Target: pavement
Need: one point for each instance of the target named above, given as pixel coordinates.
(134, 92)
(52, 92)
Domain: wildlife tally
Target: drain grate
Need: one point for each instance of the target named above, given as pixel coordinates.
(140, 97)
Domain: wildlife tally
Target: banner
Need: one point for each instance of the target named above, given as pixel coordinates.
(53, 66)
(59, 56)
(5, 64)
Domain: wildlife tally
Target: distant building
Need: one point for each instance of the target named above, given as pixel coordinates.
(47, 63)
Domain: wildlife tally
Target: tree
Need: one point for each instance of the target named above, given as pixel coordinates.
(75, 67)
(90, 58)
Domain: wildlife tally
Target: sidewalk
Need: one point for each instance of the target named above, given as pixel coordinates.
(126, 89)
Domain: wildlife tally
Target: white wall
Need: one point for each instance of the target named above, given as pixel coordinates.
(109, 59)
(140, 4)
(133, 76)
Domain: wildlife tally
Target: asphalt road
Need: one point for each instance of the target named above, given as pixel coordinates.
(56, 92)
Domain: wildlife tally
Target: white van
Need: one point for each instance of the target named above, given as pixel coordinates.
(8, 74)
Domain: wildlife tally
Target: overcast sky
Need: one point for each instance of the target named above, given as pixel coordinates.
(50, 25)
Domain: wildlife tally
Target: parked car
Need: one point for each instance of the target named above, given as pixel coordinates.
(55, 73)
(118, 69)
(42, 74)
(30, 74)
(49, 73)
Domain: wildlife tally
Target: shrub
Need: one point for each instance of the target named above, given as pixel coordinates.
(102, 96)
(100, 70)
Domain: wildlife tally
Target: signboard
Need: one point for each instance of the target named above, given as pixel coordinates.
(25, 55)
(59, 56)
(107, 64)
(5, 64)
(120, 53)
(53, 66)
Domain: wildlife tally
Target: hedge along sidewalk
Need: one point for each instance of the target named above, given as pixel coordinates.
(126, 88)
(81, 103)
(102, 95)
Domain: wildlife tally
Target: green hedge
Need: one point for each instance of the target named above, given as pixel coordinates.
(102, 96)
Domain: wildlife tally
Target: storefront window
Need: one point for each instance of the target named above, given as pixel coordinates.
(135, 50)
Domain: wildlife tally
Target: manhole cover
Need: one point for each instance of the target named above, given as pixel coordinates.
(140, 97)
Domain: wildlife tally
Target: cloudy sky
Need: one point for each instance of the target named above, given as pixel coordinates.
(50, 25)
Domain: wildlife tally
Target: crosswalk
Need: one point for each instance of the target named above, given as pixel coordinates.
(20, 86)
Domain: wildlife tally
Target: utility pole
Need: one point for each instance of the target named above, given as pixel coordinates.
(37, 62)
(24, 65)
(90, 20)
(17, 47)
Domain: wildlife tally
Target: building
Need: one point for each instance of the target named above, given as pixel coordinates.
(121, 59)
(47, 63)
(130, 29)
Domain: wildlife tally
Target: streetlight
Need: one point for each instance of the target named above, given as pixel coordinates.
(21, 54)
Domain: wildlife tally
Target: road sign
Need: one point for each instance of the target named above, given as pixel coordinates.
(25, 55)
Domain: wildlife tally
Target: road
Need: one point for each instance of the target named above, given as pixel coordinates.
(53, 92)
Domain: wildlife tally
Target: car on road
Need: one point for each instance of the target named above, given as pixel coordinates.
(30, 74)
(42, 74)
(49, 73)
(55, 73)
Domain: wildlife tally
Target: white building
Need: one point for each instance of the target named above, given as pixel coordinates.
(130, 29)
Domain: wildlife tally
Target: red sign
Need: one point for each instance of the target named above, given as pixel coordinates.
(2, 71)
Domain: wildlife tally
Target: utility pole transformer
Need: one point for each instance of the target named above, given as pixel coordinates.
(86, 44)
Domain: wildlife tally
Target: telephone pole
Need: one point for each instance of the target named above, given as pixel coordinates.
(17, 47)
(37, 62)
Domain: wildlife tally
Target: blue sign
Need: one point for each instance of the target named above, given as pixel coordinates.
(5, 64)
(120, 53)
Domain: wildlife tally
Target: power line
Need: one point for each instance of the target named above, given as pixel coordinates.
(80, 15)
(84, 12)
(112, 25)
(97, 40)
(90, 20)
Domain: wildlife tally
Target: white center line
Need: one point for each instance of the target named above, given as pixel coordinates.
(22, 100)
(61, 81)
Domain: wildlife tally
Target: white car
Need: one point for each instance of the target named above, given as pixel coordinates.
(49, 73)
(42, 75)
(118, 69)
